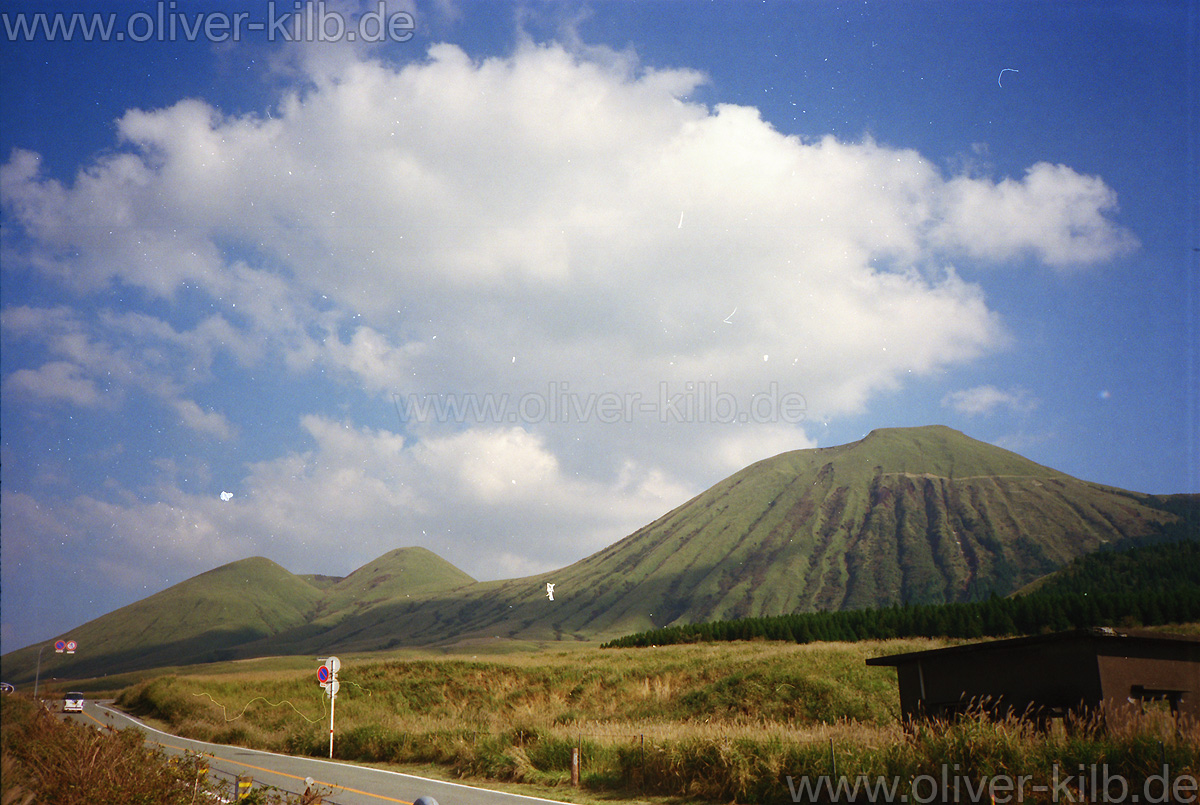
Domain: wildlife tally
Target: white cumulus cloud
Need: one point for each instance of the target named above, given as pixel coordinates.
(544, 227)
(987, 399)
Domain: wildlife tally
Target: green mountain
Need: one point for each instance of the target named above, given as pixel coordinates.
(402, 573)
(218, 614)
(197, 620)
(912, 515)
(906, 515)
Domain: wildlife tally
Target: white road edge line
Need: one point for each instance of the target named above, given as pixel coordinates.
(147, 727)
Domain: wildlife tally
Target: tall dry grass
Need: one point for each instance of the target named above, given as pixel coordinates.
(48, 761)
(724, 722)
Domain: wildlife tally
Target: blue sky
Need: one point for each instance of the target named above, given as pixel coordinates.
(520, 284)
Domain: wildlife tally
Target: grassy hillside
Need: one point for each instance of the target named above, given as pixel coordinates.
(920, 515)
(320, 580)
(230, 610)
(904, 516)
(194, 621)
(402, 573)
(362, 606)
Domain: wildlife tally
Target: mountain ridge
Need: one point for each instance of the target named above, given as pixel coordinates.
(904, 515)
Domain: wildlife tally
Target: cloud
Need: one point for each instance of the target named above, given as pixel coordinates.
(102, 358)
(984, 400)
(210, 422)
(736, 452)
(361, 492)
(56, 380)
(613, 220)
(22, 514)
(389, 192)
(557, 226)
(1054, 213)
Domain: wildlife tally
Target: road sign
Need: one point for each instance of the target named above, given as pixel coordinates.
(329, 682)
(327, 676)
(71, 646)
(60, 646)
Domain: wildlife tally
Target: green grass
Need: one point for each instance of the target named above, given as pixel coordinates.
(555, 687)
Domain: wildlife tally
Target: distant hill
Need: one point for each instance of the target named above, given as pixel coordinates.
(197, 620)
(351, 606)
(904, 516)
(401, 573)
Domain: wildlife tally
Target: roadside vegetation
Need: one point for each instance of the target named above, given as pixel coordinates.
(45, 760)
(724, 722)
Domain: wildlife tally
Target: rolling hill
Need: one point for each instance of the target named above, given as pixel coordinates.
(197, 620)
(401, 573)
(905, 515)
(210, 616)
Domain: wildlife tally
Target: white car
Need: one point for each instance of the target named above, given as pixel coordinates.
(73, 702)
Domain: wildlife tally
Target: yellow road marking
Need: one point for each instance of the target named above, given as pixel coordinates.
(273, 771)
(318, 782)
(93, 718)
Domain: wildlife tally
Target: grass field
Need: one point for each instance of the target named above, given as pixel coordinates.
(718, 723)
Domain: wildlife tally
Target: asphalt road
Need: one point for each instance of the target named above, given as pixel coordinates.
(351, 785)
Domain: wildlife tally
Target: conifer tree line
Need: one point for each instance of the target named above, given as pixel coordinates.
(1148, 585)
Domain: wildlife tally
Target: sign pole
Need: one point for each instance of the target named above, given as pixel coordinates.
(38, 673)
(327, 676)
(332, 704)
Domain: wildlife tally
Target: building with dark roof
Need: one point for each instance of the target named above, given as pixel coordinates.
(1047, 676)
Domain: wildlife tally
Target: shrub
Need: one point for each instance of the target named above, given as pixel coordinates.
(55, 762)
